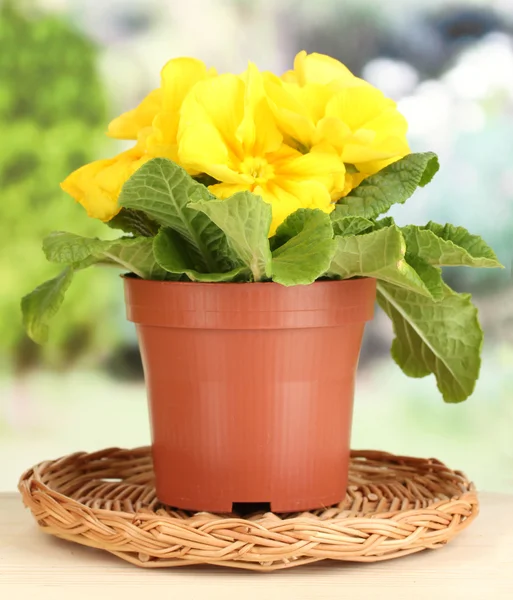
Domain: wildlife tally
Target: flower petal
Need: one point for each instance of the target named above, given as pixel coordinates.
(257, 132)
(219, 103)
(360, 153)
(380, 147)
(177, 77)
(389, 122)
(128, 125)
(395, 147)
(333, 131)
(314, 98)
(287, 196)
(161, 140)
(97, 185)
(225, 190)
(291, 115)
(203, 149)
(316, 68)
(80, 185)
(357, 105)
(283, 203)
(319, 165)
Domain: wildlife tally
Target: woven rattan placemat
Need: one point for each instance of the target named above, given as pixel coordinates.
(395, 506)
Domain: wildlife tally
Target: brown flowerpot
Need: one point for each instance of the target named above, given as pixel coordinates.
(250, 388)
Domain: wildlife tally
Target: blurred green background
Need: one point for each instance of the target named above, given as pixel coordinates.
(68, 66)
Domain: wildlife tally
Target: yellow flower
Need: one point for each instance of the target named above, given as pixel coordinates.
(228, 131)
(153, 123)
(321, 103)
(178, 77)
(287, 139)
(96, 186)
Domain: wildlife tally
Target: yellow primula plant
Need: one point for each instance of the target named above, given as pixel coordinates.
(260, 178)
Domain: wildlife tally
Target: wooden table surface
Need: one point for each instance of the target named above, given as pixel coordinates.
(476, 565)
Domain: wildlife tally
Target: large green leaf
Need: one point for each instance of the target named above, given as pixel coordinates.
(305, 247)
(163, 190)
(350, 225)
(136, 256)
(379, 254)
(443, 338)
(245, 219)
(392, 185)
(69, 248)
(173, 253)
(430, 275)
(135, 222)
(42, 304)
(448, 245)
(133, 254)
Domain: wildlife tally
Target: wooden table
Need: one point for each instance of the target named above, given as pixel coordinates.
(476, 565)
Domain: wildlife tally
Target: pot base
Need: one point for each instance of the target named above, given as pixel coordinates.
(296, 483)
(225, 505)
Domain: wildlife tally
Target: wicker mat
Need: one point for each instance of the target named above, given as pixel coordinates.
(395, 506)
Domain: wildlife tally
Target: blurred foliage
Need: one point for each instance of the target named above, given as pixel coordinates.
(52, 113)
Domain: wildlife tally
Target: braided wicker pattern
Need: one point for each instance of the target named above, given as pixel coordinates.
(395, 506)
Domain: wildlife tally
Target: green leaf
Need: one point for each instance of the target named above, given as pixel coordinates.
(173, 253)
(245, 219)
(448, 245)
(379, 254)
(135, 222)
(392, 185)
(40, 306)
(306, 250)
(136, 256)
(430, 275)
(351, 225)
(133, 254)
(69, 248)
(384, 222)
(443, 338)
(163, 190)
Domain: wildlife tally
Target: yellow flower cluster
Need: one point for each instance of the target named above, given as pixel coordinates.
(302, 140)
